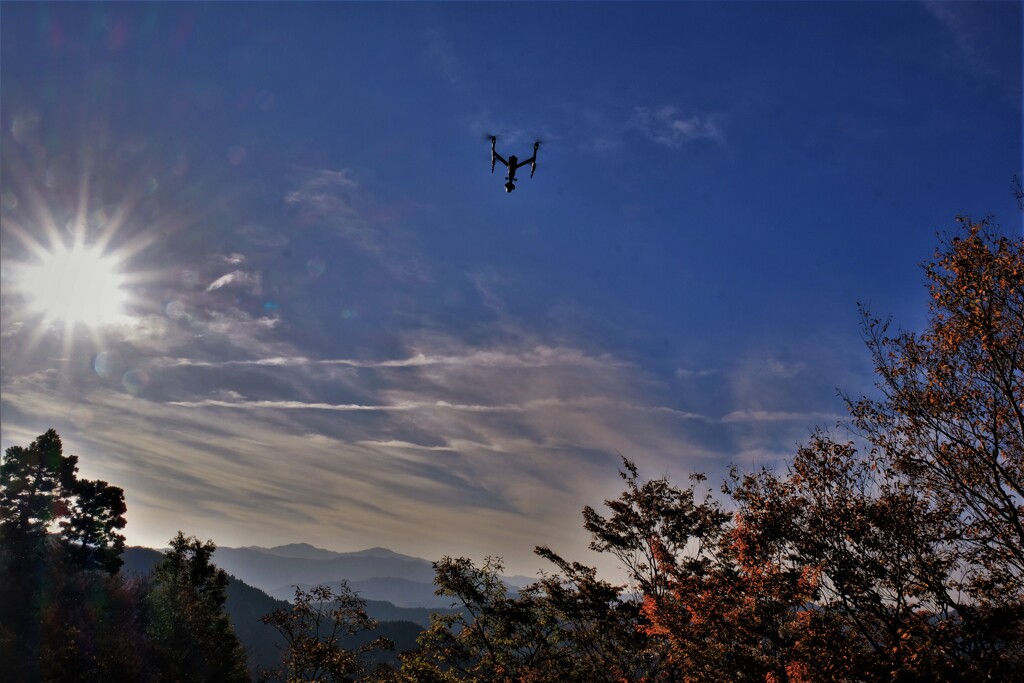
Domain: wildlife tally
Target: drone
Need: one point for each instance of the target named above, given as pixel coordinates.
(513, 163)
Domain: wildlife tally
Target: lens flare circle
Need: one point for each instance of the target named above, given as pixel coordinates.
(76, 285)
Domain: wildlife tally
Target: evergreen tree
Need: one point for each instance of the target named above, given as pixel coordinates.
(190, 634)
(55, 531)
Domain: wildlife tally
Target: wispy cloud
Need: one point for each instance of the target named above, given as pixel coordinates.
(538, 357)
(236, 401)
(394, 443)
(666, 126)
(238, 279)
(335, 199)
(498, 439)
(972, 27)
(326, 195)
(441, 50)
(804, 418)
(261, 236)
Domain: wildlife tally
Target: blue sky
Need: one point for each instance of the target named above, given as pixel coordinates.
(336, 327)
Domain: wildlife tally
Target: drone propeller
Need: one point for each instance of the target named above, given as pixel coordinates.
(493, 139)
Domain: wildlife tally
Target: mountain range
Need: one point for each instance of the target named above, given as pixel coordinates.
(398, 589)
(375, 574)
(246, 604)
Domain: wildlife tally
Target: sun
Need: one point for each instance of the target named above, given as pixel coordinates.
(76, 285)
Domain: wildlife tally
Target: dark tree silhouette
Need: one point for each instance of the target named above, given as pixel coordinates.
(189, 632)
(317, 631)
(54, 527)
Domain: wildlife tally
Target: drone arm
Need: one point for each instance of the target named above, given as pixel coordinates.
(496, 156)
(532, 160)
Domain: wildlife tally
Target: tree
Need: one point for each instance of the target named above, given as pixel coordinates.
(40, 494)
(56, 530)
(950, 428)
(96, 509)
(951, 417)
(92, 629)
(670, 544)
(317, 631)
(496, 638)
(189, 632)
(653, 520)
(35, 484)
(600, 627)
(914, 526)
(895, 555)
(569, 626)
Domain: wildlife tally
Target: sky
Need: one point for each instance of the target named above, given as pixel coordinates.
(256, 269)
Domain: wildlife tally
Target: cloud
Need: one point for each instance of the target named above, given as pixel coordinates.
(238, 279)
(665, 126)
(538, 357)
(805, 418)
(326, 195)
(476, 447)
(686, 373)
(974, 29)
(443, 55)
(233, 399)
(12, 330)
(394, 443)
(261, 236)
(336, 200)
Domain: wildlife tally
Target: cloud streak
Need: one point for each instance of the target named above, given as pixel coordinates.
(539, 357)
(536, 404)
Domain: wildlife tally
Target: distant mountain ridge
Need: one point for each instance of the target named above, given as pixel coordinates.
(275, 570)
(305, 551)
(399, 592)
(246, 604)
(376, 574)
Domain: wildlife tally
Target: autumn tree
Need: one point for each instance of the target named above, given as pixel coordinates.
(600, 625)
(190, 634)
(493, 637)
(951, 416)
(571, 625)
(950, 426)
(713, 605)
(893, 554)
(318, 632)
(653, 523)
(913, 521)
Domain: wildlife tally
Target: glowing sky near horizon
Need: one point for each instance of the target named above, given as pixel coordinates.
(288, 302)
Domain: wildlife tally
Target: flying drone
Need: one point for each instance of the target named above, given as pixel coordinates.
(513, 163)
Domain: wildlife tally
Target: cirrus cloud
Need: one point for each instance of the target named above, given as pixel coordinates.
(666, 126)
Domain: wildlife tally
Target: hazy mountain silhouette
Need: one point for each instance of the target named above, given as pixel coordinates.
(246, 604)
(399, 593)
(305, 551)
(270, 570)
(376, 574)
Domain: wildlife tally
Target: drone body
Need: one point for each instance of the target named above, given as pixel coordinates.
(513, 163)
